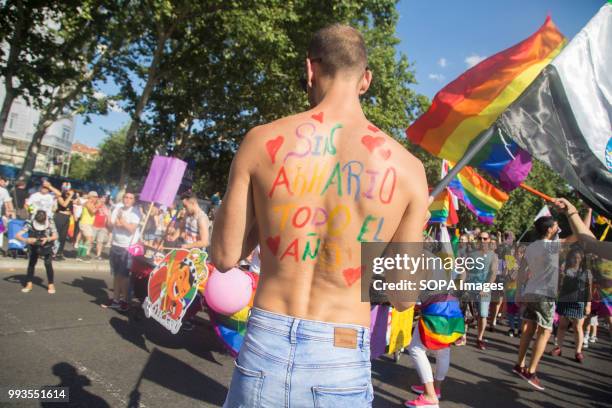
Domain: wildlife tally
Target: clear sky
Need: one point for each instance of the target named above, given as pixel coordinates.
(441, 38)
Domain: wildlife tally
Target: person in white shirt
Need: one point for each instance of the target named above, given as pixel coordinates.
(42, 200)
(124, 223)
(6, 208)
(540, 270)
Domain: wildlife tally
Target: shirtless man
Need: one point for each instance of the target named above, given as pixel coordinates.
(309, 188)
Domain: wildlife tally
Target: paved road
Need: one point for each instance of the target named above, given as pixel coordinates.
(110, 359)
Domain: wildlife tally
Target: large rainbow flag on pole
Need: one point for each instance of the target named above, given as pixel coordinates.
(472, 102)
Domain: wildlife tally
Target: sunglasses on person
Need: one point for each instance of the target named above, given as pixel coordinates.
(484, 238)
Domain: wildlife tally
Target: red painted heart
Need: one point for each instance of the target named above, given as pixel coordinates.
(318, 116)
(273, 244)
(373, 128)
(273, 145)
(371, 142)
(352, 275)
(385, 153)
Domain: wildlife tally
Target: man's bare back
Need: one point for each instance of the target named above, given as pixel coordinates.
(323, 182)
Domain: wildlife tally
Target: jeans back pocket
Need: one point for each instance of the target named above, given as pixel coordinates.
(245, 389)
(341, 397)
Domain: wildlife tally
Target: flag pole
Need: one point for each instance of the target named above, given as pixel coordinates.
(536, 192)
(480, 141)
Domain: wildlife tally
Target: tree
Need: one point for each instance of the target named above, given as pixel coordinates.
(82, 38)
(112, 150)
(231, 69)
(23, 57)
(81, 168)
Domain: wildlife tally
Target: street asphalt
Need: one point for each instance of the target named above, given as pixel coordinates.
(108, 359)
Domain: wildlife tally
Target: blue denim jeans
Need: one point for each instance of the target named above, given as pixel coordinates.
(290, 362)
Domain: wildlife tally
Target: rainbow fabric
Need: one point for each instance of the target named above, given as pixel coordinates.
(442, 209)
(472, 102)
(441, 322)
(230, 329)
(480, 196)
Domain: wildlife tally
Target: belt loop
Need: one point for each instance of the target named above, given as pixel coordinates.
(294, 328)
(364, 338)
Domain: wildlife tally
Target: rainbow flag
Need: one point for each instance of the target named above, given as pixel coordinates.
(443, 210)
(472, 102)
(441, 322)
(480, 196)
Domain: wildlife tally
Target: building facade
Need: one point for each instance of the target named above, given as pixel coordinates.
(54, 155)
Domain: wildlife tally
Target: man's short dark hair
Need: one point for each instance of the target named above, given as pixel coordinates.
(3, 178)
(188, 195)
(337, 48)
(542, 225)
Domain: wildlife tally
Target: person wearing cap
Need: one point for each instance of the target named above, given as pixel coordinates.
(41, 234)
(86, 224)
(65, 205)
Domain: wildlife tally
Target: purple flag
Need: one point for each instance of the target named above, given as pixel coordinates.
(379, 316)
(515, 171)
(163, 180)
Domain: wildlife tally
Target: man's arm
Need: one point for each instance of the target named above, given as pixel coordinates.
(8, 208)
(235, 218)
(582, 231)
(410, 230)
(493, 268)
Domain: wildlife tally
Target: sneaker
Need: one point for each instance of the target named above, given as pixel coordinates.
(556, 352)
(420, 389)
(534, 381)
(51, 291)
(113, 304)
(520, 371)
(579, 357)
(592, 340)
(585, 345)
(480, 345)
(510, 333)
(420, 401)
(187, 325)
(26, 289)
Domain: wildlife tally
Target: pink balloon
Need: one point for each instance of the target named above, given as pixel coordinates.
(229, 292)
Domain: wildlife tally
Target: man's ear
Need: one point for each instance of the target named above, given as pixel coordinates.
(366, 80)
(309, 73)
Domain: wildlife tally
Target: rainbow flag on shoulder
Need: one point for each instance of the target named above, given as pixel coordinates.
(472, 102)
(441, 322)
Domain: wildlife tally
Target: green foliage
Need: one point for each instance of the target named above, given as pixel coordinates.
(82, 168)
(229, 66)
(112, 152)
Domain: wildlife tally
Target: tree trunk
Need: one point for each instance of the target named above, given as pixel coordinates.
(11, 66)
(130, 137)
(30, 160)
(6, 108)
